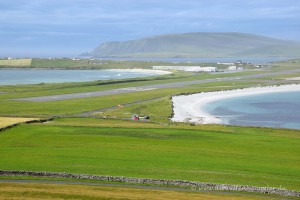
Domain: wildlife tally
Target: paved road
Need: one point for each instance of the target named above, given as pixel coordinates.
(145, 88)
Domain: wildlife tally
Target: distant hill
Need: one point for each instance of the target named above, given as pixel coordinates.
(200, 45)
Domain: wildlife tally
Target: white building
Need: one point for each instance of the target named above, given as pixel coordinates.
(209, 69)
(235, 68)
(225, 63)
(183, 68)
(232, 68)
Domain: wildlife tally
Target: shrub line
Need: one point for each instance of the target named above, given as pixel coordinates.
(179, 183)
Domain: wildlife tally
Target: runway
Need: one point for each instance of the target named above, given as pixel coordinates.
(146, 88)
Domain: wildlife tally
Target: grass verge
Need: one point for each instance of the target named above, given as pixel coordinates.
(58, 191)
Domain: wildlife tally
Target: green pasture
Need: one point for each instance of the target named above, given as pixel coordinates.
(97, 64)
(108, 64)
(233, 155)
(91, 64)
(159, 111)
(67, 63)
(286, 65)
(155, 149)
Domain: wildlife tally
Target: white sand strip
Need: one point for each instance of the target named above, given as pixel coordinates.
(158, 72)
(189, 108)
(293, 79)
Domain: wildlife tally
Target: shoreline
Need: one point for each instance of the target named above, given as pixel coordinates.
(135, 73)
(189, 108)
(158, 72)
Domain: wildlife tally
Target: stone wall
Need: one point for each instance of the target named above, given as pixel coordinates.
(179, 183)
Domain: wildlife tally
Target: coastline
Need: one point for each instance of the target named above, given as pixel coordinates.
(158, 72)
(189, 108)
(8, 76)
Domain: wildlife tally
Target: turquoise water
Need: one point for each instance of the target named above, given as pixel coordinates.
(281, 110)
(19, 76)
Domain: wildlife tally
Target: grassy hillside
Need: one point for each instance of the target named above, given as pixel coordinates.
(233, 155)
(199, 45)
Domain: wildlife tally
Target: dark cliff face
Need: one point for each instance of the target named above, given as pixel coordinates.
(200, 45)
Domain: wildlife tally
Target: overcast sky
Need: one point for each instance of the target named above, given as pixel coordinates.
(69, 27)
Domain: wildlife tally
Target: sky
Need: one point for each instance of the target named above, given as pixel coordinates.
(57, 28)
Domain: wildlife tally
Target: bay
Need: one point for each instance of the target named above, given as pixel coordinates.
(280, 110)
(34, 76)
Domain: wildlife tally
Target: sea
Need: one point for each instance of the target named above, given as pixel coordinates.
(35, 76)
(279, 110)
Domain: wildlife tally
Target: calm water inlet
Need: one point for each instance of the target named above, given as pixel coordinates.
(281, 110)
(19, 76)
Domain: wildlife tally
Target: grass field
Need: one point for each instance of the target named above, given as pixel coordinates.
(233, 155)
(159, 110)
(107, 64)
(16, 63)
(7, 121)
(59, 63)
(155, 149)
(287, 64)
(31, 191)
(89, 64)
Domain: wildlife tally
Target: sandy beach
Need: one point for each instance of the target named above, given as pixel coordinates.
(158, 72)
(189, 108)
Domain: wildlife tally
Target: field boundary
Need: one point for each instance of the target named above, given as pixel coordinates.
(178, 183)
(27, 122)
